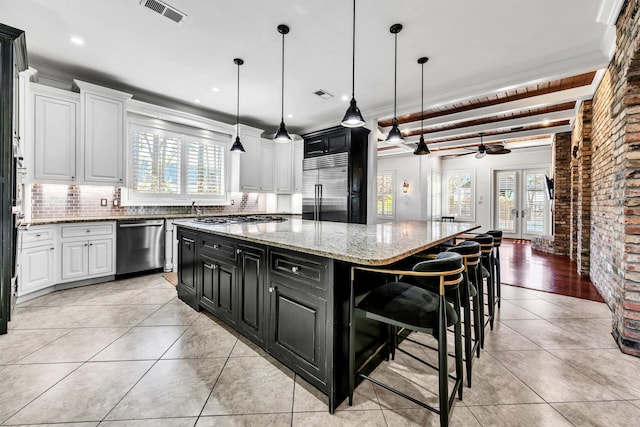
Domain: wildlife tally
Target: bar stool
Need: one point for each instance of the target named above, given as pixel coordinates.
(470, 252)
(403, 305)
(486, 247)
(497, 240)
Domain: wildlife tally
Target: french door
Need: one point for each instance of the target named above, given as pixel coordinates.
(521, 207)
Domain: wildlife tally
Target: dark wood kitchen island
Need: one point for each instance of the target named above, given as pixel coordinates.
(285, 285)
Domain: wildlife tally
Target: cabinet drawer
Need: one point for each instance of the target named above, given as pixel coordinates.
(87, 230)
(219, 247)
(310, 269)
(38, 235)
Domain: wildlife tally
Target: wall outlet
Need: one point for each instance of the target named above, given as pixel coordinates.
(116, 202)
(103, 202)
(233, 202)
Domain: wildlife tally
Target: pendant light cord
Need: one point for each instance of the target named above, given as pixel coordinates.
(238, 99)
(395, 76)
(422, 103)
(353, 52)
(282, 85)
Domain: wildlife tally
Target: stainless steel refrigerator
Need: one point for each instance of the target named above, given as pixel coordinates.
(325, 188)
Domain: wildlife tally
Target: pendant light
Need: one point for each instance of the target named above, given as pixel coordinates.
(395, 136)
(237, 145)
(282, 135)
(422, 148)
(353, 118)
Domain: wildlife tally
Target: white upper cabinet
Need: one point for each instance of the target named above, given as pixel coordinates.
(267, 160)
(103, 133)
(55, 133)
(250, 159)
(283, 173)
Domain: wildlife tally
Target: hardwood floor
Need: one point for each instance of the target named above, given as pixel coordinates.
(544, 272)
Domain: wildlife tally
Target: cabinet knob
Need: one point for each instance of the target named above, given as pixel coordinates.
(238, 251)
(216, 246)
(271, 289)
(295, 269)
(208, 266)
(38, 235)
(86, 244)
(88, 231)
(51, 248)
(90, 244)
(73, 177)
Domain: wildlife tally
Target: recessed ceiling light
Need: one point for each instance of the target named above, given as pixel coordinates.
(215, 89)
(545, 122)
(197, 101)
(76, 40)
(290, 116)
(345, 97)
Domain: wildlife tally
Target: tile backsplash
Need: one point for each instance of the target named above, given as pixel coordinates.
(63, 201)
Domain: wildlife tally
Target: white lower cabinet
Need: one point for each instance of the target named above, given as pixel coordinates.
(36, 259)
(88, 251)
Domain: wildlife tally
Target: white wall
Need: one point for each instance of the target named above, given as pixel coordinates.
(417, 170)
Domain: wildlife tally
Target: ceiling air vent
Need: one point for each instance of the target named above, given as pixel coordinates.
(164, 9)
(323, 94)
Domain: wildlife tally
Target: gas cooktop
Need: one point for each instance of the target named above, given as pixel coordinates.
(235, 219)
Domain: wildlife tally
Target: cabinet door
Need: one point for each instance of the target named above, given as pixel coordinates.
(267, 153)
(297, 330)
(298, 156)
(36, 268)
(187, 278)
(101, 257)
(55, 139)
(207, 295)
(283, 173)
(75, 263)
(250, 161)
(337, 142)
(225, 291)
(103, 135)
(314, 146)
(252, 270)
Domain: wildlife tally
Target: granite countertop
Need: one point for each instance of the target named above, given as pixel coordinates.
(70, 219)
(377, 244)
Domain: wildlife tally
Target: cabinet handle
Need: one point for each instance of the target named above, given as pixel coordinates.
(208, 266)
(216, 246)
(88, 231)
(90, 244)
(86, 244)
(238, 251)
(51, 248)
(73, 177)
(295, 269)
(38, 235)
(271, 289)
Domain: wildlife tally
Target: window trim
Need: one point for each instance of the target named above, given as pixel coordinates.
(445, 206)
(391, 173)
(131, 198)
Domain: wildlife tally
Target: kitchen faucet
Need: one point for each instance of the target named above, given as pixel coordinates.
(195, 209)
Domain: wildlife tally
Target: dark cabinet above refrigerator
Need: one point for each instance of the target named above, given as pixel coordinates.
(324, 197)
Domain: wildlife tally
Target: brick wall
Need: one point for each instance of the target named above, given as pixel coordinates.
(581, 187)
(615, 205)
(60, 201)
(562, 189)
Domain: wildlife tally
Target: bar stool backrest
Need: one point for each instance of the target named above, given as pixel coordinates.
(497, 237)
(486, 243)
(470, 252)
(449, 264)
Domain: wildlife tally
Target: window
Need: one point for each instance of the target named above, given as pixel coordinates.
(458, 195)
(175, 164)
(436, 195)
(384, 199)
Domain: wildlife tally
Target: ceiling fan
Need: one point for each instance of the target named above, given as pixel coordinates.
(483, 150)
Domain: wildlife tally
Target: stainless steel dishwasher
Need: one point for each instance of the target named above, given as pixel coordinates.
(140, 246)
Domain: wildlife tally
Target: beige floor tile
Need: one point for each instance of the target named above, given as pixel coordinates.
(119, 315)
(307, 398)
(494, 384)
(372, 418)
(364, 399)
(158, 422)
(599, 414)
(20, 343)
(635, 402)
(517, 293)
(249, 385)
(608, 369)
(594, 309)
(174, 312)
(23, 383)
(246, 348)
(73, 296)
(202, 340)
(459, 417)
(172, 388)
(141, 343)
(546, 335)
(595, 332)
(260, 420)
(553, 379)
(52, 317)
(87, 394)
(78, 345)
(509, 310)
(535, 414)
(503, 338)
(548, 310)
